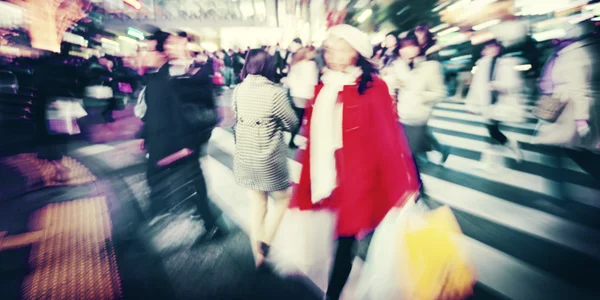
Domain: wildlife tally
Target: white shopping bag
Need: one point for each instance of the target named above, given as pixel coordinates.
(62, 116)
(380, 274)
(305, 244)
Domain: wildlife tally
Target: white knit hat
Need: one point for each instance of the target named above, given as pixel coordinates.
(355, 37)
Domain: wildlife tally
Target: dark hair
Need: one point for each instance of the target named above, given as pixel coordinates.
(160, 37)
(184, 34)
(297, 41)
(429, 39)
(496, 43)
(368, 69)
(259, 62)
(394, 53)
(409, 40)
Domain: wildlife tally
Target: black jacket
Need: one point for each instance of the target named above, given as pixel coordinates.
(172, 102)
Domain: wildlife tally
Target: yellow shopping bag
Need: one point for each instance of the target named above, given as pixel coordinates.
(435, 263)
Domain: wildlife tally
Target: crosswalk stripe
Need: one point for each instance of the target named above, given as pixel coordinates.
(461, 106)
(513, 278)
(479, 146)
(520, 281)
(476, 130)
(515, 216)
(522, 180)
(94, 149)
(476, 118)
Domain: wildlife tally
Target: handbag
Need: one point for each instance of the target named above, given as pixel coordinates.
(62, 116)
(218, 79)
(549, 108)
(304, 244)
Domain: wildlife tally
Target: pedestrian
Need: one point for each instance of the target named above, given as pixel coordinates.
(228, 60)
(494, 94)
(176, 124)
(301, 80)
(357, 162)
(262, 112)
(571, 79)
(420, 86)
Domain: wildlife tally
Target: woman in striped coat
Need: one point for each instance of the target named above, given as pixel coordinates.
(263, 111)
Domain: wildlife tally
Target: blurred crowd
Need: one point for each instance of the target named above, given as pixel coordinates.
(364, 111)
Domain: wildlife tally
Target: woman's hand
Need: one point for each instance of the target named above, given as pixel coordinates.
(400, 83)
(583, 128)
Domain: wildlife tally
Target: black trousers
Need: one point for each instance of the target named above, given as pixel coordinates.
(177, 182)
(495, 133)
(111, 105)
(54, 147)
(342, 266)
(586, 160)
(300, 115)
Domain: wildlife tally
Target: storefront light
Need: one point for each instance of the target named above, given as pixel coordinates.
(127, 39)
(441, 6)
(458, 5)
(449, 31)
(523, 68)
(134, 3)
(548, 35)
(439, 27)
(364, 15)
(582, 17)
(486, 24)
(135, 33)
(463, 57)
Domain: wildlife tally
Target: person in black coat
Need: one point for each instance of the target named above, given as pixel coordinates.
(179, 118)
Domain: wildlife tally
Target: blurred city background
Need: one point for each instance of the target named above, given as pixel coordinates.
(72, 199)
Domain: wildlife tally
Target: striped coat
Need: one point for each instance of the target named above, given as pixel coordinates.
(262, 112)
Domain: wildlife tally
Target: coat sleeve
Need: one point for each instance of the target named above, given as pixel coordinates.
(395, 167)
(283, 111)
(507, 79)
(436, 89)
(580, 86)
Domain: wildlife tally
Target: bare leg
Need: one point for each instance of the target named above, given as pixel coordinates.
(259, 211)
(280, 205)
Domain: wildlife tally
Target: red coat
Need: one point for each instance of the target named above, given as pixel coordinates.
(375, 167)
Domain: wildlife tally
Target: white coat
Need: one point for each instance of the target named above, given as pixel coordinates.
(302, 79)
(423, 87)
(576, 77)
(509, 84)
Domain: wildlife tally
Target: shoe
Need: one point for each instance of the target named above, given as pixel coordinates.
(158, 219)
(445, 155)
(265, 249)
(210, 235)
(261, 262)
(514, 146)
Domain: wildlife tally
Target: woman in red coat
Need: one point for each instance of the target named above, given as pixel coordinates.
(357, 162)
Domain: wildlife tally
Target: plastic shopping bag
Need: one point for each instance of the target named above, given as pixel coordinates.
(304, 244)
(435, 263)
(380, 275)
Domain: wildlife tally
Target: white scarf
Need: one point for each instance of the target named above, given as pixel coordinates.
(326, 131)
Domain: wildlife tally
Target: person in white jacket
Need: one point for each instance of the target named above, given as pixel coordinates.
(420, 85)
(301, 80)
(494, 94)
